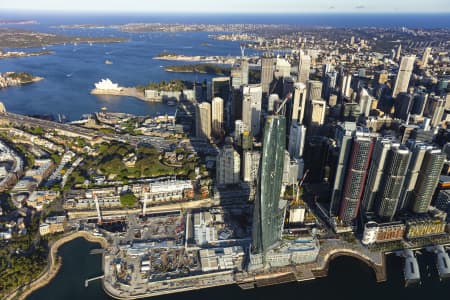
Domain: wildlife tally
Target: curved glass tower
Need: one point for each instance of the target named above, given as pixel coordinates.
(267, 215)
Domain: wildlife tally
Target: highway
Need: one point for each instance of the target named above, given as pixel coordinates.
(199, 146)
(76, 130)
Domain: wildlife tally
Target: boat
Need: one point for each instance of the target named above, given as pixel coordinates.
(108, 62)
(69, 75)
(171, 102)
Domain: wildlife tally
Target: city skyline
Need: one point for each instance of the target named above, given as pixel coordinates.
(234, 6)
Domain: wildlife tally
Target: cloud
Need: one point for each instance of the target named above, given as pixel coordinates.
(360, 7)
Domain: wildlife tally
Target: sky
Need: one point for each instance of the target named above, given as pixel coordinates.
(234, 6)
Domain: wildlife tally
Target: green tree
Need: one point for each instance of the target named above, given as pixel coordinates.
(128, 199)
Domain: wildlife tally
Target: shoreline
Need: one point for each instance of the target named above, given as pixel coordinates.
(126, 92)
(53, 265)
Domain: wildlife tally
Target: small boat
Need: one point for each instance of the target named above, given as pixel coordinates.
(108, 62)
(69, 75)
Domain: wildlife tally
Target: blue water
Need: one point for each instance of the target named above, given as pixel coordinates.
(132, 60)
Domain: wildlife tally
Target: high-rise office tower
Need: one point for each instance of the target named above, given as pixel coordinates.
(296, 140)
(282, 68)
(244, 71)
(315, 157)
(355, 179)
(427, 180)
(239, 74)
(267, 69)
(435, 110)
(303, 68)
(392, 182)
(250, 165)
(344, 137)
(329, 84)
(419, 103)
(267, 215)
(318, 109)
(345, 86)
(251, 107)
(221, 87)
(398, 53)
(239, 128)
(404, 75)
(228, 166)
(403, 104)
(417, 154)
(314, 90)
(426, 57)
(365, 102)
(298, 103)
(376, 171)
(217, 117)
(203, 120)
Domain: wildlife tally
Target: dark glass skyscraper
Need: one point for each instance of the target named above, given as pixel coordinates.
(267, 216)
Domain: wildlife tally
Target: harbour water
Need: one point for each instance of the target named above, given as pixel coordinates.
(72, 70)
(348, 278)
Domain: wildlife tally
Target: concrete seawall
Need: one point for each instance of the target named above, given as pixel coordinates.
(53, 265)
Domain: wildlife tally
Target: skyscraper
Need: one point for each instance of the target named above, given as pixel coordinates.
(203, 120)
(250, 165)
(267, 69)
(268, 217)
(426, 57)
(314, 90)
(318, 109)
(344, 137)
(355, 179)
(403, 105)
(282, 68)
(392, 182)
(365, 102)
(404, 75)
(417, 154)
(251, 107)
(299, 103)
(376, 171)
(228, 166)
(296, 140)
(217, 117)
(427, 180)
(346, 86)
(221, 87)
(303, 68)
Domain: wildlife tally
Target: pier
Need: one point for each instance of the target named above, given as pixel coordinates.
(442, 260)
(86, 282)
(411, 268)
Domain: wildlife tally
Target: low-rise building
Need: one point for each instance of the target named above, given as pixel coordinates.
(383, 232)
(52, 225)
(426, 226)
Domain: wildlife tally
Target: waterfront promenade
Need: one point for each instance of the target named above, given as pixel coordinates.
(53, 265)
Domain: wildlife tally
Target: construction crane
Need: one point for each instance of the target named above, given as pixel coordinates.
(97, 206)
(297, 201)
(286, 99)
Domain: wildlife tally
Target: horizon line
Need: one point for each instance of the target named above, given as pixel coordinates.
(328, 12)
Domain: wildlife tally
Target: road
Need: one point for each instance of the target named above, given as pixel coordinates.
(75, 130)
